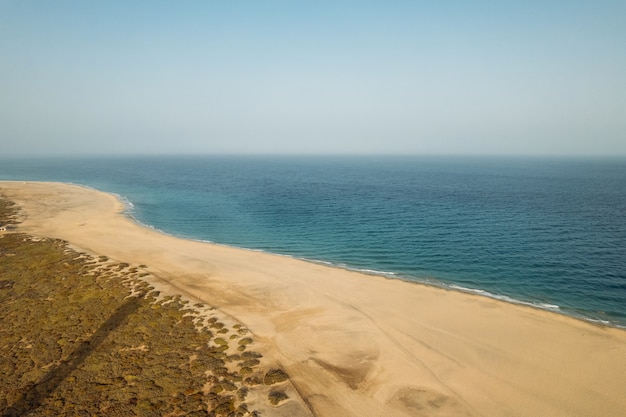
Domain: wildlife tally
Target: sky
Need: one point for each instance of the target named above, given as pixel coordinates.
(315, 77)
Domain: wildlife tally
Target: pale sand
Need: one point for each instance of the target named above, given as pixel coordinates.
(360, 345)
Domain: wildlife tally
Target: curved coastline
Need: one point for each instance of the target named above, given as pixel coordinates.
(437, 283)
(355, 344)
(554, 241)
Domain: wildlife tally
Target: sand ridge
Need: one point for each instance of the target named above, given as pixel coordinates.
(354, 344)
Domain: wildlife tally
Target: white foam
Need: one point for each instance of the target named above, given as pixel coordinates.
(372, 271)
(543, 306)
(129, 204)
(605, 322)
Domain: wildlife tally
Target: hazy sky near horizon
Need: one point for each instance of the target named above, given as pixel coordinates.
(373, 77)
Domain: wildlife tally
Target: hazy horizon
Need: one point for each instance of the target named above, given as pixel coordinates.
(326, 78)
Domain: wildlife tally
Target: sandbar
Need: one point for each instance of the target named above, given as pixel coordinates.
(355, 344)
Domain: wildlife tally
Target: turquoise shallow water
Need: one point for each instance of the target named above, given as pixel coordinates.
(547, 232)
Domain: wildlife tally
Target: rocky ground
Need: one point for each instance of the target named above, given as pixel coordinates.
(84, 335)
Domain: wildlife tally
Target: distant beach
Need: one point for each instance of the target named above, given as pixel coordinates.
(355, 344)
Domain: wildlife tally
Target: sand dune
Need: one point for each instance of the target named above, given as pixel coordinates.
(360, 345)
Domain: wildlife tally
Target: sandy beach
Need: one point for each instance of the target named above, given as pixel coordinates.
(355, 344)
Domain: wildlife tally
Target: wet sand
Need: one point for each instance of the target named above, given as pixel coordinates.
(355, 344)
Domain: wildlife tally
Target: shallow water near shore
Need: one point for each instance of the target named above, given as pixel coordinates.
(546, 232)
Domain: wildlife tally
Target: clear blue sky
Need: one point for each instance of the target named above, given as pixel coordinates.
(408, 77)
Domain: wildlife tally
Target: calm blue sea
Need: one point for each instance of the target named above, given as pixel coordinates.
(548, 232)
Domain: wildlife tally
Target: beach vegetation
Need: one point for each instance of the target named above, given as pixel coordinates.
(217, 325)
(276, 397)
(220, 341)
(275, 376)
(82, 336)
(80, 343)
(245, 370)
(242, 393)
(245, 341)
(250, 363)
(8, 212)
(253, 380)
(251, 355)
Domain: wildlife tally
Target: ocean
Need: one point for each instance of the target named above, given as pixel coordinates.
(547, 232)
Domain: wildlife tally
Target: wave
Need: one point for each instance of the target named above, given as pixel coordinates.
(540, 305)
(127, 203)
(129, 207)
(350, 268)
(372, 271)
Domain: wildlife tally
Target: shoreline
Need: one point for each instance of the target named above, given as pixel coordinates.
(356, 343)
(434, 282)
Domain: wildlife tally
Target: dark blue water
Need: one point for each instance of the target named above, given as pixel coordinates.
(549, 232)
